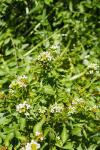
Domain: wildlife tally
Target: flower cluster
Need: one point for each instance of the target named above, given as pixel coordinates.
(33, 145)
(20, 82)
(55, 46)
(76, 103)
(22, 108)
(2, 95)
(94, 109)
(71, 109)
(11, 91)
(42, 109)
(56, 108)
(93, 66)
(45, 57)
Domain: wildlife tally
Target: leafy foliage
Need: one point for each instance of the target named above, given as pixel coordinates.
(49, 75)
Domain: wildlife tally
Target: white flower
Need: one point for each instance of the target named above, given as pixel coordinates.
(27, 114)
(33, 145)
(19, 108)
(11, 91)
(91, 72)
(93, 66)
(39, 135)
(21, 82)
(94, 108)
(56, 108)
(22, 77)
(42, 110)
(22, 107)
(56, 46)
(77, 101)
(58, 137)
(28, 146)
(71, 110)
(44, 57)
(26, 105)
(86, 62)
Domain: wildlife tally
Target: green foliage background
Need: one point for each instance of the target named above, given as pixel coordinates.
(69, 31)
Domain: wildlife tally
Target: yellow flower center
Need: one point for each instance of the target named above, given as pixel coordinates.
(33, 147)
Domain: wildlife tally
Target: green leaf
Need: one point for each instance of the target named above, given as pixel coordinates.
(89, 128)
(8, 138)
(2, 135)
(64, 134)
(77, 131)
(93, 147)
(22, 123)
(79, 147)
(4, 121)
(38, 126)
(70, 5)
(46, 131)
(19, 136)
(68, 146)
(0, 140)
(54, 148)
(84, 133)
(81, 7)
(49, 90)
(6, 142)
(59, 144)
(44, 145)
(48, 1)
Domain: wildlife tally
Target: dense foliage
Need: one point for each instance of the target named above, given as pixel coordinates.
(49, 74)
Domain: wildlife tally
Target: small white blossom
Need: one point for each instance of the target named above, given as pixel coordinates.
(22, 107)
(93, 66)
(87, 56)
(45, 56)
(33, 145)
(11, 91)
(21, 81)
(94, 108)
(26, 105)
(64, 34)
(42, 110)
(56, 46)
(86, 62)
(22, 77)
(39, 135)
(56, 108)
(91, 72)
(58, 137)
(71, 110)
(27, 114)
(77, 101)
